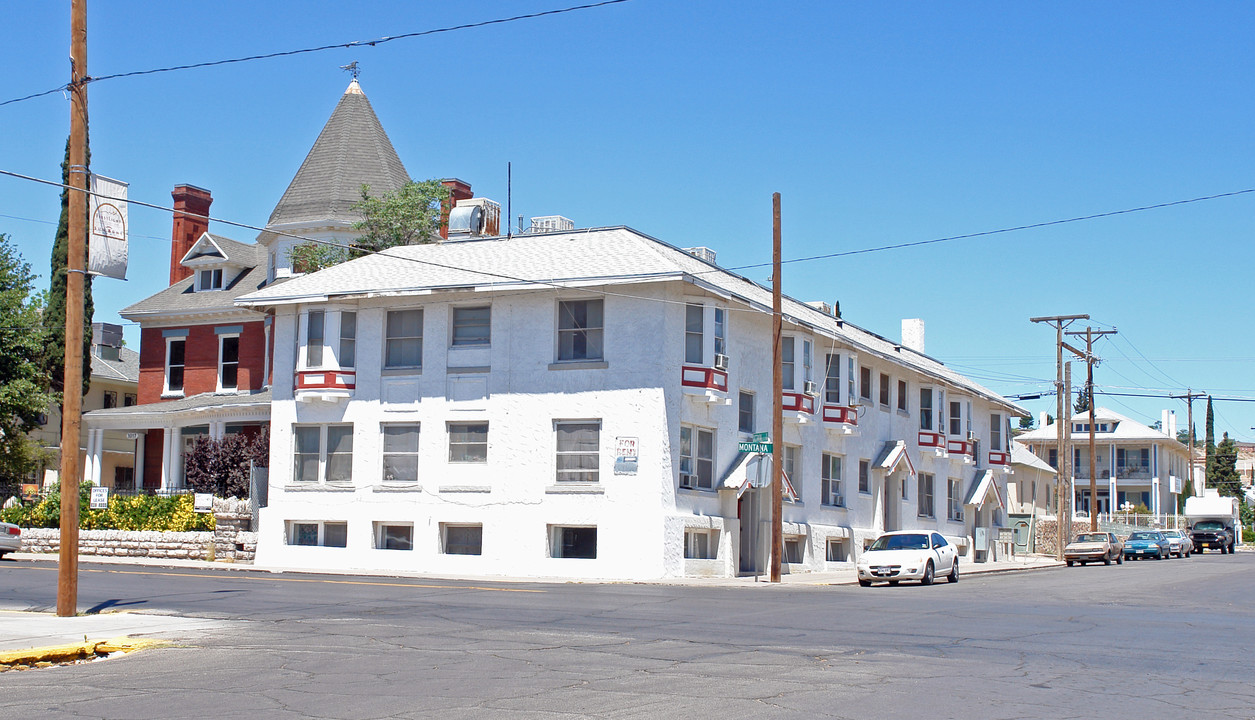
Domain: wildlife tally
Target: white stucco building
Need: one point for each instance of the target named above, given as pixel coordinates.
(570, 404)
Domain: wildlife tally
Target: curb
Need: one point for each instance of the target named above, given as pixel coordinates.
(53, 654)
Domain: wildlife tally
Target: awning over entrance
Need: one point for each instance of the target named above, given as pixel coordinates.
(894, 454)
(984, 487)
(754, 470)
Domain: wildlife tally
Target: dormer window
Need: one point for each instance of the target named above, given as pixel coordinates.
(210, 279)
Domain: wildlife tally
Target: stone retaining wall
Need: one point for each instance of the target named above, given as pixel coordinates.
(1047, 541)
(231, 540)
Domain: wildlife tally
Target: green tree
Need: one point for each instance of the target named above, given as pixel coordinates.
(412, 215)
(1026, 422)
(24, 388)
(1226, 478)
(1081, 405)
(54, 313)
(1209, 463)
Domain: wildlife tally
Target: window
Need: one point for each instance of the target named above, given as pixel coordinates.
(956, 418)
(404, 345)
(787, 362)
(832, 379)
(925, 409)
(580, 330)
(838, 550)
(462, 539)
(925, 494)
(394, 536)
(830, 471)
(745, 412)
(578, 451)
(174, 364)
(793, 549)
(1053, 458)
(865, 383)
(228, 362)
(701, 544)
(348, 339)
(791, 453)
(694, 315)
(995, 432)
(111, 399)
(129, 399)
(721, 331)
(954, 500)
(849, 393)
(807, 372)
(468, 442)
(315, 334)
(885, 390)
(574, 542)
(400, 452)
(211, 279)
(323, 453)
(697, 458)
(902, 395)
(324, 534)
(472, 325)
(864, 476)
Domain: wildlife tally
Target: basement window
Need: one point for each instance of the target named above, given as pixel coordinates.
(573, 542)
(323, 534)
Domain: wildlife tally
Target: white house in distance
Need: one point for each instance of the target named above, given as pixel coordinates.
(570, 403)
(1134, 463)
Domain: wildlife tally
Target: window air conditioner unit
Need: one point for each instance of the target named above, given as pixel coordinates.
(838, 500)
(809, 388)
(971, 436)
(688, 480)
(721, 362)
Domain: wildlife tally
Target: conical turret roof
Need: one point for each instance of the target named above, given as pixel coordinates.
(352, 150)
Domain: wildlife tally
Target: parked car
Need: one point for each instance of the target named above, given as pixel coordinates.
(908, 555)
(1179, 543)
(10, 538)
(1147, 543)
(1094, 547)
(1212, 534)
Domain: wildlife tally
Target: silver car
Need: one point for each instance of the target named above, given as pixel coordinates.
(10, 538)
(1179, 543)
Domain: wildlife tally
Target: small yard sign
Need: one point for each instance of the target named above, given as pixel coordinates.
(204, 502)
(100, 498)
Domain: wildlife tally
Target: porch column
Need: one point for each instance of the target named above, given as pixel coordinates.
(169, 436)
(139, 459)
(87, 457)
(97, 454)
(216, 429)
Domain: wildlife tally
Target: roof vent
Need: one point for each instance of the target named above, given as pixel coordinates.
(475, 217)
(702, 253)
(551, 223)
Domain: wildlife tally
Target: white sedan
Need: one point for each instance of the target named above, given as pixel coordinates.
(908, 555)
(10, 538)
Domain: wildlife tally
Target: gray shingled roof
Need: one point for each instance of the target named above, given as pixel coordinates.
(352, 150)
(180, 296)
(125, 368)
(601, 256)
(236, 252)
(203, 401)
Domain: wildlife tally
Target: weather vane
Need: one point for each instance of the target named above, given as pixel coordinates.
(353, 68)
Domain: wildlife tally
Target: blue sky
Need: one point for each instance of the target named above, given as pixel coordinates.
(878, 123)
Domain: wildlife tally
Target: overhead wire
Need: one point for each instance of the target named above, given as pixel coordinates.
(320, 48)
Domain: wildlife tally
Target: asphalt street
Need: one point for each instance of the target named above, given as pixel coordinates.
(1148, 639)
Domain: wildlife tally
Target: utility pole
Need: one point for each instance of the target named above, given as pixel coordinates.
(777, 403)
(1065, 531)
(1059, 322)
(1188, 397)
(72, 402)
(1090, 362)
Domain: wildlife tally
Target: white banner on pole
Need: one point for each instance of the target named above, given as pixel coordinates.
(107, 252)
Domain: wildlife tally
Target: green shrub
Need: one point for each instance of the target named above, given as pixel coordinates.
(125, 512)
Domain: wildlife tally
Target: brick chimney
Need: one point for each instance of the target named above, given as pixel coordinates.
(189, 201)
(458, 190)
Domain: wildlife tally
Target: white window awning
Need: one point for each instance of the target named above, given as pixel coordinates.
(754, 470)
(984, 487)
(894, 454)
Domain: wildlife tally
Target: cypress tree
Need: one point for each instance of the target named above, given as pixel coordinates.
(54, 313)
(1209, 464)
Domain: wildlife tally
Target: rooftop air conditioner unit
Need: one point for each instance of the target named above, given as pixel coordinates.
(721, 362)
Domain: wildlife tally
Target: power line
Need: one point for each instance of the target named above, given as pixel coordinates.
(1017, 228)
(320, 48)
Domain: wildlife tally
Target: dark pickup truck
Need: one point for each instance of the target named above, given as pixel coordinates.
(1212, 534)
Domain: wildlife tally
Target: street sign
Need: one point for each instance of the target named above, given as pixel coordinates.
(762, 437)
(754, 447)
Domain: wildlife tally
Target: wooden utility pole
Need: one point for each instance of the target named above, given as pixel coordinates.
(1090, 361)
(777, 391)
(1188, 397)
(1059, 322)
(72, 401)
(1069, 472)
